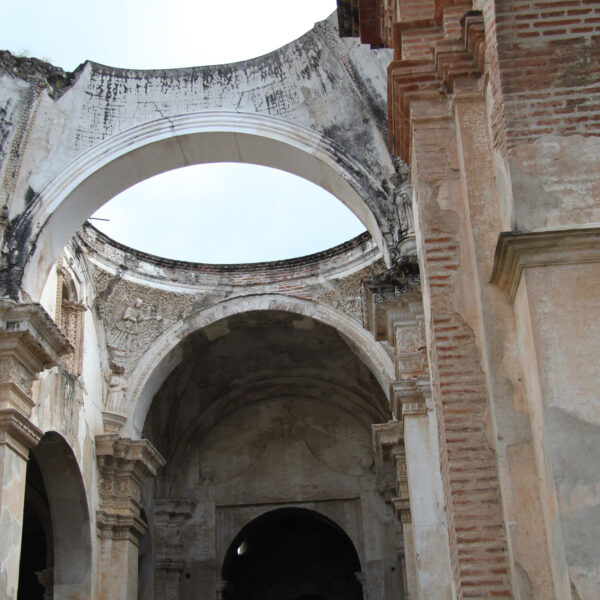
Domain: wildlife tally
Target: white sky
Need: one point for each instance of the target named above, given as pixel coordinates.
(277, 215)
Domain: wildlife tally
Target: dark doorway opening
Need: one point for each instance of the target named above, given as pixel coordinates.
(291, 554)
(36, 547)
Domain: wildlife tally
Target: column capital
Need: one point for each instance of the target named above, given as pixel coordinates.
(17, 432)
(124, 464)
(386, 436)
(117, 454)
(411, 397)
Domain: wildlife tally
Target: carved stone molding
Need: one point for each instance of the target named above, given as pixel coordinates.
(516, 252)
(388, 442)
(17, 432)
(30, 342)
(71, 323)
(393, 298)
(120, 527)
(386, 436)
(124, 464)
(402, 501)
(411, 397)
(169, 517)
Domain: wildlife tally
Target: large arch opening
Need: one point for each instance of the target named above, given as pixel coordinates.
(168, 352)
(267, 409)
(56, 556)
(291, 554)
(252, 206)
(127, 158)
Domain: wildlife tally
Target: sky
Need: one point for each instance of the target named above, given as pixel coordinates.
(278, 215)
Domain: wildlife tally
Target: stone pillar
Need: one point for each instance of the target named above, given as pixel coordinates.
(169, 516)
(29, 343)
(456, 346)
(424, 489)
(123, 465)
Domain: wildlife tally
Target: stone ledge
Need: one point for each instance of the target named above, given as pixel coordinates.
(17, 432)
(28, 331)
(518, 251)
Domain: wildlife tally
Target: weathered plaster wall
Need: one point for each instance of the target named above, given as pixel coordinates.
(330, 89)
(561, 300)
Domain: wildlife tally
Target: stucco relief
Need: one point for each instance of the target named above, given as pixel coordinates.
(348, 295)
(295, 446)
(135, 315)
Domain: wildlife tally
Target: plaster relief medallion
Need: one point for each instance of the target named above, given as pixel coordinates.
(132, 330)
(134, 315)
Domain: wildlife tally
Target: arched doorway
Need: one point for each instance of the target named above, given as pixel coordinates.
(56, 543)
(291, 554)
(36, 564)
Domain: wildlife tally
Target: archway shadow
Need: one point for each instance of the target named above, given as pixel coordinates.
(56, 548)
(291, 554)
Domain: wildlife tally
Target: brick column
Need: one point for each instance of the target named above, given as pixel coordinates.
(412, 399)
(29, 343)
(523, 500)
(169, 516)
(478, 545)
(124, 464)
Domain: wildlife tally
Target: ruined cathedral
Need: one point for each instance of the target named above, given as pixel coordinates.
(411, 415)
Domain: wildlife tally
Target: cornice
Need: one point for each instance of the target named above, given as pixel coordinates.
(123, 453)
(386, 436)
(518, 251)
(460, 59)
(27, 329)
(18, 432)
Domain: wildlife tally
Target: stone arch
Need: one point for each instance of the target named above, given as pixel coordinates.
(145, 150)
(71, 529)
(164, 355)
(278, 521)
